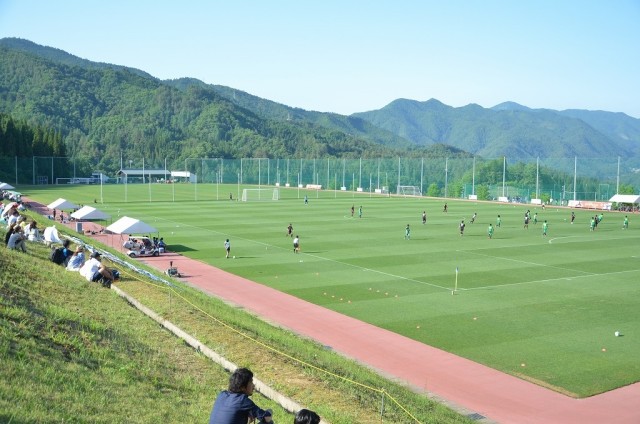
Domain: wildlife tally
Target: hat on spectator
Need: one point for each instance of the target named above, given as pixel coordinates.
(95, 254)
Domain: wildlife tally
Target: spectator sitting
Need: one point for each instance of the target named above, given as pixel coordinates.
(305, 416)
(66, 251)
(94, 270)
(77, 260)
(13, 218)
(233, 406)
(17, 238)
(10, 230)
(32, 231)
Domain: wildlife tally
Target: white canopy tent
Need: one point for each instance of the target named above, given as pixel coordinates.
(89, 213)
(6, 186)
(62, 204)
(127, 225)
(625, 198)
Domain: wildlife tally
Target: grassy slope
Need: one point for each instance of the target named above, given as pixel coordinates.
(549, 303)
(75, 352)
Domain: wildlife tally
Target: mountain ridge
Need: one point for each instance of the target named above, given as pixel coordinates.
(404, 125)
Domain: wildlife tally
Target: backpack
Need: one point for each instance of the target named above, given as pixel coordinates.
(57, 255)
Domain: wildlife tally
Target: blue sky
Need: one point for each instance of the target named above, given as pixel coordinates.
(354, 55)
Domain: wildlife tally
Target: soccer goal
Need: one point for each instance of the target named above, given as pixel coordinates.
(409, 191)
(258, 194)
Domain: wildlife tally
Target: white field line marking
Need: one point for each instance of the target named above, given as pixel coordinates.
(526, 262)
(381, 272)
(411, 279)
(320, 257)
(549, 280)
(604, 236)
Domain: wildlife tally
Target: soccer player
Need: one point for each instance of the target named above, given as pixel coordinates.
(424, 217)
(535, 218)
(625, 224)
(545, 227)
(461, 226)
(473, 218)
(289, 231)
(296, 244)
(227, 247)
(360, 212)
(498, 221)
(407, 233)
(490, 231)
(592, 226)
(445, 208)
(573, 216)
(353, 208)
(526, 221)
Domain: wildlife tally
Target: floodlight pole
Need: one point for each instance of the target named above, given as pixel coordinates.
(575, 177)
(473, 177)
(617, 178)
(538, 177)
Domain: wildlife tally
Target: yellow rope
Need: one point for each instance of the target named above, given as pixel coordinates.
(286, 355)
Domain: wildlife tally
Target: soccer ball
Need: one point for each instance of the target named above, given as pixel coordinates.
(234, 257)
(617, 334)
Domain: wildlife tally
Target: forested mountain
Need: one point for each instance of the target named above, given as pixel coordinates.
(510, 129)
(279, 112)
(105, 112)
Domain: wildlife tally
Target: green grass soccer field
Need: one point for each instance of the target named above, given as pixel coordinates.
(541, 308)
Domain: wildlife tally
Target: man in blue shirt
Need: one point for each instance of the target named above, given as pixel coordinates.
(233, 406)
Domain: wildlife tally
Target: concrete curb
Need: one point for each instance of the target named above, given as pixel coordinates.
(270, 393)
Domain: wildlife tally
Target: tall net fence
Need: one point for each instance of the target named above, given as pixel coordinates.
(518, 179)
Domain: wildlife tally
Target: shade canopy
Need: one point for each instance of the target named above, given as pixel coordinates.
(625, 198)
(127, 225)
(89, 213)
(62, 204)
(6, 186)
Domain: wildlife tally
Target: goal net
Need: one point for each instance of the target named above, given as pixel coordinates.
(409, 191)
(258, 194)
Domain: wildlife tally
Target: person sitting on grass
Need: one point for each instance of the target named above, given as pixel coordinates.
(95, 271)
(17, 238)
(77, 260)
(233, 406)
(66, 251)
(13, 218)
(10, 230)
(32, 232)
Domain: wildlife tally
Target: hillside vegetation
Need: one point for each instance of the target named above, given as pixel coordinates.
(510, 130)
(105, 112)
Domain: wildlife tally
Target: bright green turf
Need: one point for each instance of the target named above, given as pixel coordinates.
(540, 308)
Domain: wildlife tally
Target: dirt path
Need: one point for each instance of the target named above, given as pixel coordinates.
(459, 382)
